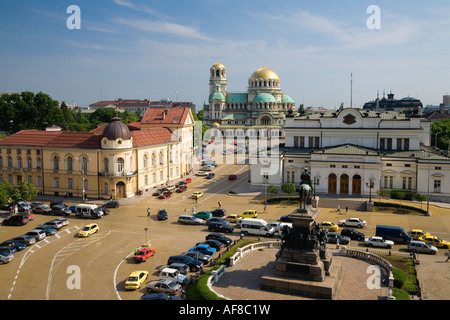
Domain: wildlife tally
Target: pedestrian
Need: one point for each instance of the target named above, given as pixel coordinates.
(193, 209)
(148, 212)
(339, 207)
(220, 204)
(136, 250)
(448, 255)
(265, 208)
(346, 209)
(185, 211)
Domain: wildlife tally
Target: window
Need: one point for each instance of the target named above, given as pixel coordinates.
(29, 163)
(153, 160)
(84, 165)
(9, 162)
(106, 165)
(70, 183)
(19, 162)
(145, 160)
(39, 163)
(39, 181)
(69, 163)
(105, 189)
(386, 143)
(55, 182)
(120, 165)
(161, 158)
(55, 163)
(437, 186)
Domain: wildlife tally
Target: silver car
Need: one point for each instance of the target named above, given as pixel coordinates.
(421, 247)
(5, 257)
(164, 286)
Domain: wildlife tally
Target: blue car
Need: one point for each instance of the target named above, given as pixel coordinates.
(73, 208)
(16, 244)
(204, 248)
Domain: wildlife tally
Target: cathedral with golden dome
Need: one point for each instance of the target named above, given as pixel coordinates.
(262, 107)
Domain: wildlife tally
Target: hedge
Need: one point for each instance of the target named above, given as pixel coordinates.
(399, 277)
(398, 205)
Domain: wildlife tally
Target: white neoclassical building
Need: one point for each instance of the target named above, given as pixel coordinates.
(345, 151)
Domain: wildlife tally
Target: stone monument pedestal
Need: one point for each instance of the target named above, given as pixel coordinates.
(302, 265)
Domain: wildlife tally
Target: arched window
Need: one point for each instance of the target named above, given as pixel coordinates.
(153, 160)
(120, 165)
(55, 162)
(84, 164)
(19, 162)
(265, 121)
(29, 163)
(145, 160)
(160, 158)
(105, 165)
(69, 163)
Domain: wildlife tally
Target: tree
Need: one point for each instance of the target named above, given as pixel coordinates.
(288, 188)
(22, 191)
(200, 115)
(272, 189)
(301, 110)
(442, 128)
(420, 197)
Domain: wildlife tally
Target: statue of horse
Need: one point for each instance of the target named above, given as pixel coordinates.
(305, 193)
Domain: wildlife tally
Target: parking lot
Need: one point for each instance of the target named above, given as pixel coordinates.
(65, 266)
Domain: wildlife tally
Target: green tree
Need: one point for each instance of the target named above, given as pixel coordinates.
(301, 110)
(200, 115)
(288, 188)
(420, 197)
(442, 128)
(22, 191)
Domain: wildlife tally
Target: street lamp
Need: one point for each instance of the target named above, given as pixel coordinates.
(370, 185)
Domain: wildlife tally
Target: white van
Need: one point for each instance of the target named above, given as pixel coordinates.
(88, 211)
(256, 227)
(186, 219)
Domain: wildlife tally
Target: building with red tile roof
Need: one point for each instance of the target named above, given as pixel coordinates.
(114, 160)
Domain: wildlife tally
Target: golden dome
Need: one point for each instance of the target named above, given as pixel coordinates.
(264, 74)
(218, 65)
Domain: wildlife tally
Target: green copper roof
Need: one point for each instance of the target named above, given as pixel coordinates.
(217, 96)
(265, 97)
(237, 98)
(287, 99)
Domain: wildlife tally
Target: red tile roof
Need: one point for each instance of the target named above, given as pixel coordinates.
(83, 140)
(161, 116)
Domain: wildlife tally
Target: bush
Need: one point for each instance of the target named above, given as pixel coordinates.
(401, 194)
(400, 294)
(399, 277)
(397, 205)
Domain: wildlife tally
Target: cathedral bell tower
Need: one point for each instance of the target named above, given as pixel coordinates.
(217, 90)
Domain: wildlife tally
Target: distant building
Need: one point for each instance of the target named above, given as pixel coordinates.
(409, 104)
(139, 106)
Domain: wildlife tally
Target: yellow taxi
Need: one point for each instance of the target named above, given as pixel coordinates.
(197, 195)
(88, 230)
(435, 241)
(232, 218)
(248, 214)
(135, 279)
(330, 226)
(417, 233)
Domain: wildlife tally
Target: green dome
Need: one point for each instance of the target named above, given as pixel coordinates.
(217, 96)
(287, 99)
(265, 97)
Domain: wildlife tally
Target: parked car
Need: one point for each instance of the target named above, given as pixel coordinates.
(165, 194)
(203, 248)
(330, 226)
(196, 255)
(135, 279)
(201, 173)
(213, 244)
(16, 220)
(220, 227)
(143, 254)
(333, 237)
(183, 268)
(286, 218)
(219, 237)
(378, 242)
(187, 219)
(210, 175)
(49, 231)
(174, 275)
(232, 177)
(159, 296)
(187, 180)
(59, 210)
(352, 222)
(16, 244)
(55, 224)
(219, 212)
(203, 215)
(27, 240)
(278, 226)
(35, 204)
(417, 233)
(182, 188)
(249, 214)
(42, 209)
(353, 234)
(8, 249)
(421, 247)
(435, 241)
(207, 168)
(38, 234)
(193, 264)
(6, 257)
(396, 234)
(197, 195)
(216, 219)
(23, 206)
(88, 230)
(159, 191)
(111, 204)
(164, 286)
(232, 218)
(73, 208)
(64, 221)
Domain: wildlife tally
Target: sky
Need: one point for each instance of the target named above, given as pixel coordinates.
(148, 49)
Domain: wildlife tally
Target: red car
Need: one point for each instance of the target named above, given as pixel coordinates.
(165, 194)
(232, 177)
(182, 188)
(143, 254)
(187, 180)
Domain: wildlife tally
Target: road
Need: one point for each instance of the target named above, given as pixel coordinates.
(64, 266)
